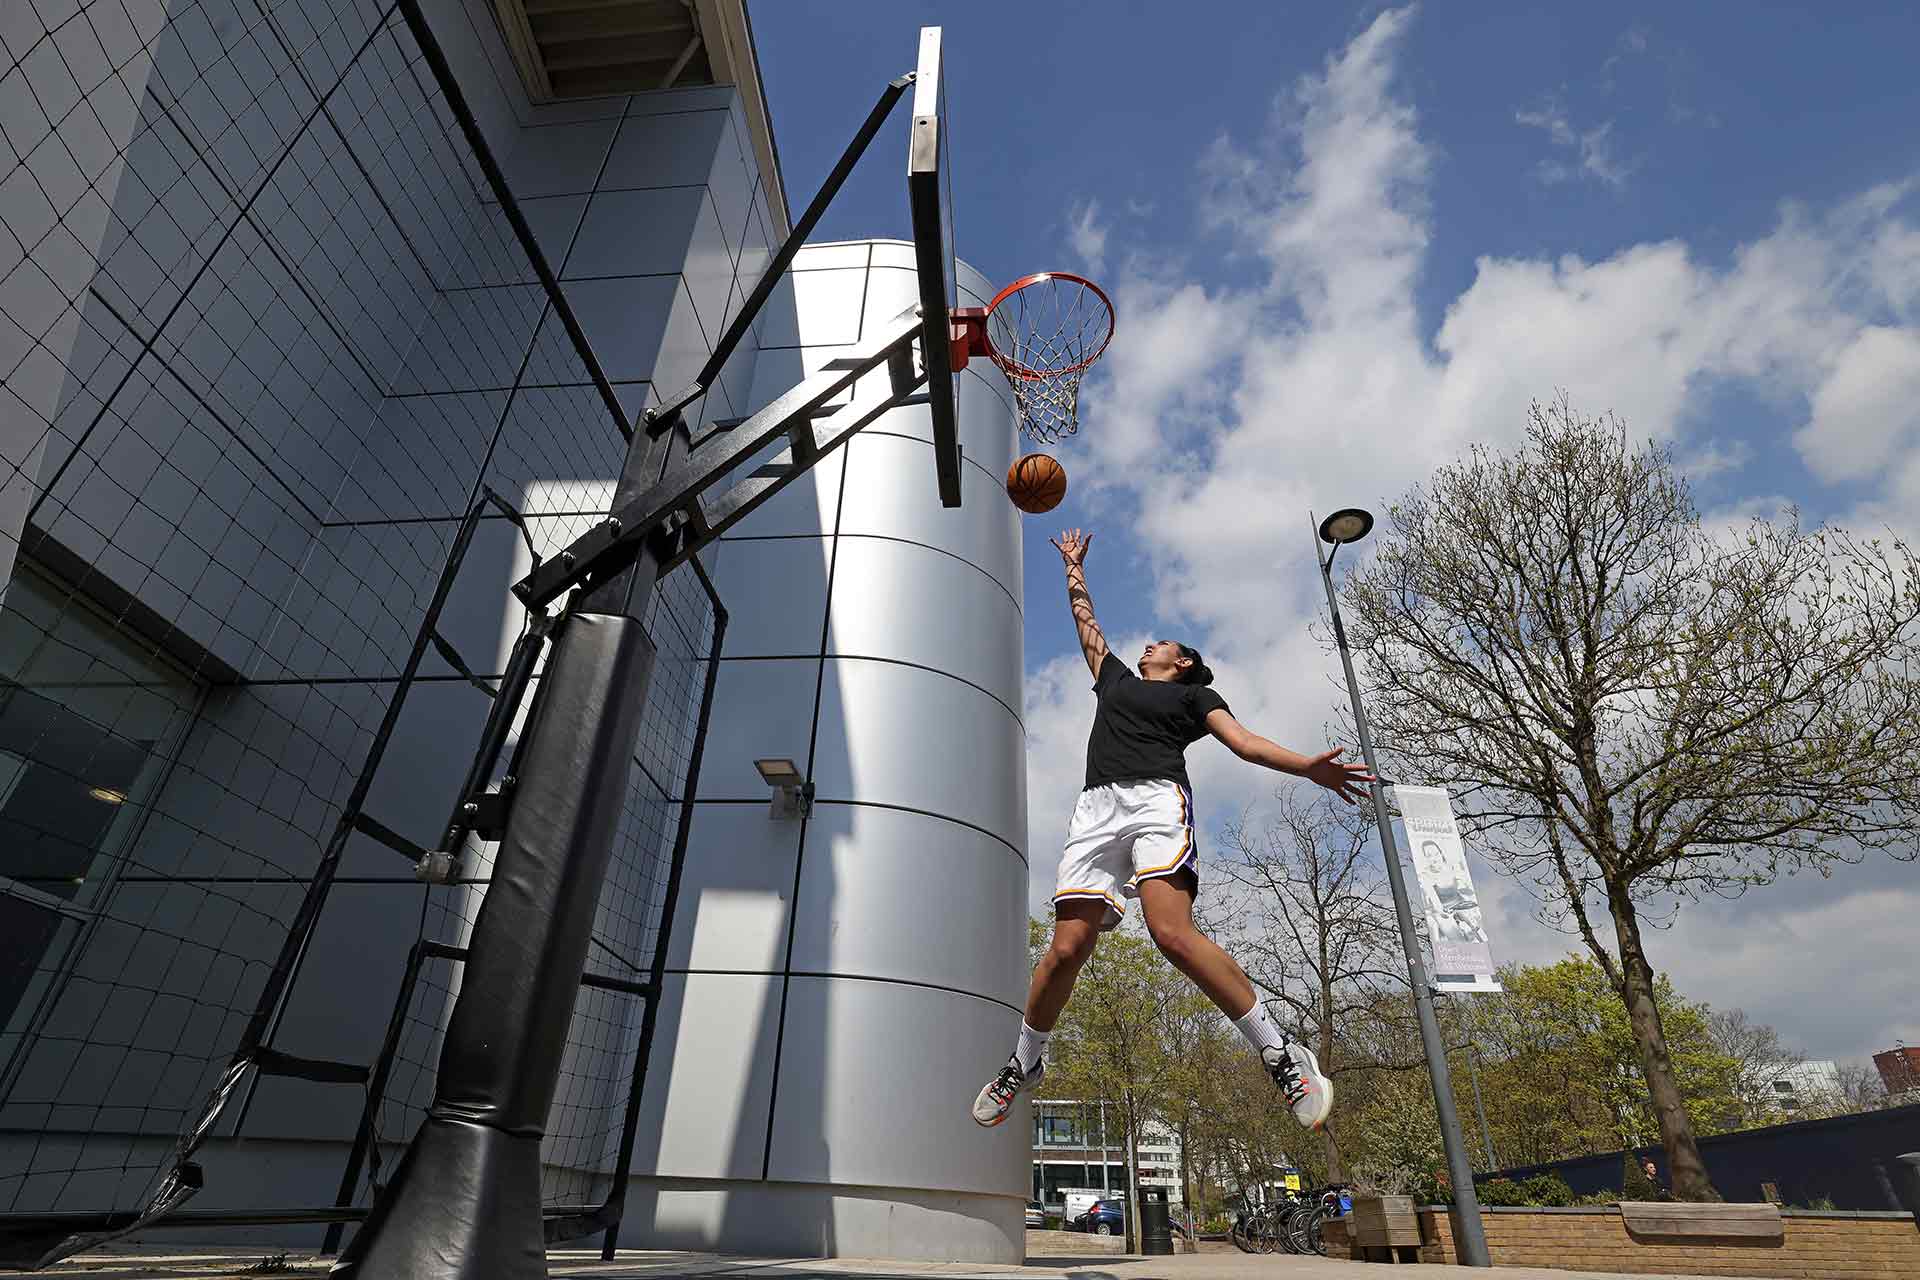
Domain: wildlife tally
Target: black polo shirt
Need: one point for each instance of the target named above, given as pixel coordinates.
(1143, 727)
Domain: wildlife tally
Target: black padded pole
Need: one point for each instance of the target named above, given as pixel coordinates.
(464, 1202)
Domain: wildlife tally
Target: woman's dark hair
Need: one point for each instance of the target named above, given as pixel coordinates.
(1199, 672)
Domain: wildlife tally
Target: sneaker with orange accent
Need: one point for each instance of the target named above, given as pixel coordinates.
(994, 1101)
(1297, 1072)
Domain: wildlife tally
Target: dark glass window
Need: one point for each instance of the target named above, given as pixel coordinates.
(87, 715)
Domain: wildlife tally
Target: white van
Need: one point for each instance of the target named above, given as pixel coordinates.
(1078, 1202)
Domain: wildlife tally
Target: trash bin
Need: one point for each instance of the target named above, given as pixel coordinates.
(1156, 1228)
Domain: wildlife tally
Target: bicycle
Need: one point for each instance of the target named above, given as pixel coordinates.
(1331, 1201)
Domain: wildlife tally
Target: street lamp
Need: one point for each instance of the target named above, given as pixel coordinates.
(1351, 524)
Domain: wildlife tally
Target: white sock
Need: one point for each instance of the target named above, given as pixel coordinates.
(1258, 1028)
(1032, 1045)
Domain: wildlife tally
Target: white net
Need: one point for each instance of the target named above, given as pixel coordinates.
(1046, 331)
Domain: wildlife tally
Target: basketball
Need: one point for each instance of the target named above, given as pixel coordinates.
(1036, 483)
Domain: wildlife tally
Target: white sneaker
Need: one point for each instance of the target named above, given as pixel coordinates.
(994, 1101)
(1297, 1072)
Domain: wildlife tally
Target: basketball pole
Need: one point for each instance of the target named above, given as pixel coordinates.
(1469, 1232)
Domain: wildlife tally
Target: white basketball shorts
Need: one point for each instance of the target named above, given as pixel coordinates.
(1123, 833)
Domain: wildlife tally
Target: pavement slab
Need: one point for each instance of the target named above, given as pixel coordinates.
(1089, 1261)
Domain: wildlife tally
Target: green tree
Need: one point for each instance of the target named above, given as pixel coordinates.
(1633, 709)
(1568, 1066)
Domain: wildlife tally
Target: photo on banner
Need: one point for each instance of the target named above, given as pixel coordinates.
(1455, 926)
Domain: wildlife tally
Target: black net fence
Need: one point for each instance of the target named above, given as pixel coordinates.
(596, 1096)
(285, 407)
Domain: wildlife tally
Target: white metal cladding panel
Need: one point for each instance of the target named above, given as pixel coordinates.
(863, 863)
(707, 1116)
(875, 1078)
(905, 736)
(890, 493)
(913, 603)
(762, 708)
(736, 889)
(785, 581)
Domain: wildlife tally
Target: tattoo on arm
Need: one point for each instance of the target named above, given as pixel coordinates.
(1093, 641)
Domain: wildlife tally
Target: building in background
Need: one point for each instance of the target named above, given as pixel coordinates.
(268, 335)
(1806, 1086)
(1081, 1146)
(1899, 1069)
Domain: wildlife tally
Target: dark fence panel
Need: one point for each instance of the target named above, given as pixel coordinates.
(1847, 1159)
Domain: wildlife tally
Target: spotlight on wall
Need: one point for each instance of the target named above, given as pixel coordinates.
(792, 794)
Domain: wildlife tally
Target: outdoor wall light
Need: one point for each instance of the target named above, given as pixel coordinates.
(792, 794)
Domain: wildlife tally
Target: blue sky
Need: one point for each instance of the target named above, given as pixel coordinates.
(1348, 242)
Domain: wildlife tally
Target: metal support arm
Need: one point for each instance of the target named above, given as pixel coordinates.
(783, 257)
(609, 546)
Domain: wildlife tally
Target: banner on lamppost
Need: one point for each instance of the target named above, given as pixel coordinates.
(1461, 958)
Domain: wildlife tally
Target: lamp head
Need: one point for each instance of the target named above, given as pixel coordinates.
(1349, 524)
(778, 772)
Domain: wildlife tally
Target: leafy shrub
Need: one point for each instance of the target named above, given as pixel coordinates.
(1548, 1190)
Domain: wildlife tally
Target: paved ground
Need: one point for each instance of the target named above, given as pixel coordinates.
(1086, 1260)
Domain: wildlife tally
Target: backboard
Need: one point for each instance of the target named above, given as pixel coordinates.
(930, 195)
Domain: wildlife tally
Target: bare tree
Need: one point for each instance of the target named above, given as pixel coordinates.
(1633, 710)
(1760, 1059)
(1316, 930)
(1861, 1088)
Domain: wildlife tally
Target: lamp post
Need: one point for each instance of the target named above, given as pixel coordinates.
(1350, 525)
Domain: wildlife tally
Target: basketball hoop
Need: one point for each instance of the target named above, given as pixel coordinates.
(1044, 331)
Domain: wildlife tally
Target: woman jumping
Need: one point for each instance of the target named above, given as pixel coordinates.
(1132, 837)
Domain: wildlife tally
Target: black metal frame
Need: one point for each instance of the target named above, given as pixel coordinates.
(564, 1223)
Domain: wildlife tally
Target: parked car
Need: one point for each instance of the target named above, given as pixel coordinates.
(1036, 1215)
(1106, 1218)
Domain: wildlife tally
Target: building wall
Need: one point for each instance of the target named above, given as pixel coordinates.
(1899, 1069)
(1067, 1152)
(265, 337)
(841, 987)
(1806, 1085)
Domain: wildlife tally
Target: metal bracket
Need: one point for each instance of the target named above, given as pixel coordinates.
(485, 815)
(488, 810)
(791, 802)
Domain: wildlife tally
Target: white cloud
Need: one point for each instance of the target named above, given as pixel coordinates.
(1222, 415)
(1714, 457)
(1866, 413)
(1087, 236)
(1593, 149)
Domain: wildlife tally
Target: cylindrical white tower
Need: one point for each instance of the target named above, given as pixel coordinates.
(840, 986)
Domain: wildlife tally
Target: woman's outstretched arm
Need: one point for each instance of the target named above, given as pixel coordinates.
(1072, 545)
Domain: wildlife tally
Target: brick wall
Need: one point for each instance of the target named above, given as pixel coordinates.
(1817, 1246)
